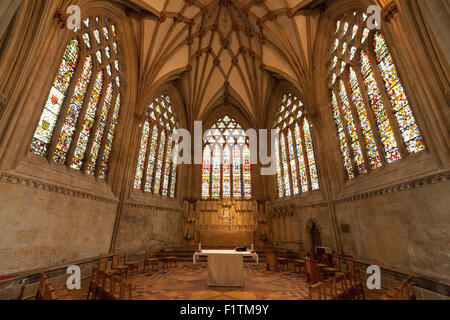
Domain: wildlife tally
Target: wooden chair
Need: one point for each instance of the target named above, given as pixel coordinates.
(121, 270)
(93, 284)
(41, 289)
(312, 271)
(132, 265)
(50, 291)
(316, 291)
(299, 263)
(334, 269)
(169, 257)
(282, 259)
(355, 287)
(150, 259)
(102, 264)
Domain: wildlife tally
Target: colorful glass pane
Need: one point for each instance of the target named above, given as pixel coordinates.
(301, 159)
(206, 174)
(151, 160)
(351, 127)
(173, 179)
(294, 177)
(68, 128)
(280, 181)
(141, 157)
(384, 126)
(284, 160)
(311, 157)
(52, 107)
(109, 139)
(159, 163)
(167, 169)
(226, 180)
(216, 160)
(343, 143)
(247, 173)
(88, 123)
(97, 139)
(371, 146)
(407, 124)
(237, 185)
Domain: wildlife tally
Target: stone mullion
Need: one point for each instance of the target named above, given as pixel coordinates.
(95, 126)
(371, 115)
(359, 131)
(82, 115)
(65, 107)
(388, 106)
(106, 132)
(305, 153)
(347, 136)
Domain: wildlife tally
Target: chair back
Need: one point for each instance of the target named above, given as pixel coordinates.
(336, 263)
(115, 261)
(41, 289)
(126, 258)
(282, 253)
(168, 251)
(150, 254)
(312, 271)
(350, 265)
(102, 264)
(303, 254)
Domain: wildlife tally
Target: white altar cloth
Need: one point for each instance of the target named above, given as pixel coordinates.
(225, 267)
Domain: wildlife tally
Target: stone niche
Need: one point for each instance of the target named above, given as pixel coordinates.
(226, 223)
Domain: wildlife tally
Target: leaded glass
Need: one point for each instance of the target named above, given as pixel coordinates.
(311, 157)
(402, 111)
(226, 173)
(52, 108)
(351, 127)
(88, 123)
(167, 169)
(247, 173)
(159, 162)
(141, 156)
(384, 126)
(237, 189)
(68, 128)
(301, 159)
(216, 160)
(151, 160)
(294, 177)
(372, 151)
(284, 158)
(206, 174)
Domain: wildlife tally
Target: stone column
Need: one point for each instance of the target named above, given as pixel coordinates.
(8, 9)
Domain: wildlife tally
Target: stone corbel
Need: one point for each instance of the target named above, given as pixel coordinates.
(389, 11)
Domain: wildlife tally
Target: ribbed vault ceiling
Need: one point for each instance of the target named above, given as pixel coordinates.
(226, 50)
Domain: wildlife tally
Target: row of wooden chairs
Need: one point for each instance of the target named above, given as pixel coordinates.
(107, 286)
(343, 286)
(404, 291)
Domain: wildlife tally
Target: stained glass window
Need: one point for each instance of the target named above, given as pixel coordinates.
(296, 164)
(157, 172)
(382, 123)
(228, 173)
(402, 111)
(206, 174)
(247, 174)
(237, 190)
(52, 108)
(84, 134)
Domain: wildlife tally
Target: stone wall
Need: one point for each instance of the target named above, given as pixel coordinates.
(144, 228)
(407, 229)
(45, 225)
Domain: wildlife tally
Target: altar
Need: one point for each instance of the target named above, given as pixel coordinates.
(225, 267)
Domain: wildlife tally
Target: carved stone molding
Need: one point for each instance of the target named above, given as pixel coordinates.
(434, 179)
(36, 184)
(147, 206)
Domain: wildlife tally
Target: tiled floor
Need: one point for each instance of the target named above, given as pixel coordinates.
(188, 282)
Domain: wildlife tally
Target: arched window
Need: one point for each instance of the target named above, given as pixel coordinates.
(156, 172)
(296, 162)
(226, 170)
(375, 123)
(80, 117)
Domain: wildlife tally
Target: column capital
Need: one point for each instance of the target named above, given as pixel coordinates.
(389, 10)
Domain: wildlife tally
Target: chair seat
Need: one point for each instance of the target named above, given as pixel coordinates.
(299, 261)
(322, 265)
(331, 270)
(171, 258)
(132, 263)
(281, 259)
(152, 260)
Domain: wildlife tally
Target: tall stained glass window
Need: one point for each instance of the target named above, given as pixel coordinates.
(74, 130)
(370, 105)
(226, 170)
(294, 151)
(156, 171)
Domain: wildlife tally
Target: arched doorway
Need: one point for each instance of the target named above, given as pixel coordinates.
(316, 241)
